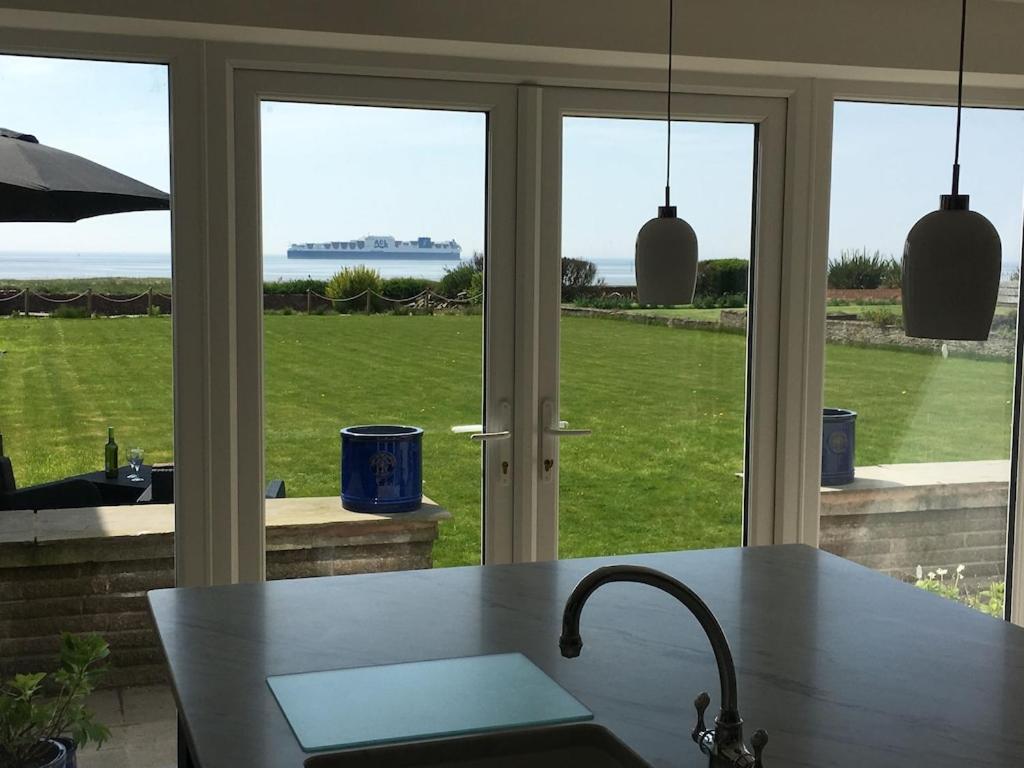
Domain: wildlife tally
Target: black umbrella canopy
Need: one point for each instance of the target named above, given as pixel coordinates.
(40, 183)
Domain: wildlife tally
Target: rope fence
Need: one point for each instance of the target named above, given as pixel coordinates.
(427, 294)
(428, 297)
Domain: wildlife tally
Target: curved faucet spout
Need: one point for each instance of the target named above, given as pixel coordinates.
(571, 643)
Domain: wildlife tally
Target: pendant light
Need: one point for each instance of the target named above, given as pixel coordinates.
(666, 246)
(952, 259)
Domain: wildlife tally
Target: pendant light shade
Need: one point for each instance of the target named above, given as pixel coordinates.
(666, 260)
(951, 266)
(952, 259)
(666, 246)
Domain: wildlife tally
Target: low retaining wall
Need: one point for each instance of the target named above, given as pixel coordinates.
(895, 517)
(1000, 344)
(735, 322)
(88, 570)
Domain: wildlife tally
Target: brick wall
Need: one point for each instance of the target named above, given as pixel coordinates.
(895, 517)
(89, 571)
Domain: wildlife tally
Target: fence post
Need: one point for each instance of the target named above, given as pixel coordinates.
(88, 300)
(149, 301)
(309, 301)
(26, 301)
(368, 299)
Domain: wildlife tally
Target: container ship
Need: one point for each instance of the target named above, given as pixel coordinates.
(373, 247)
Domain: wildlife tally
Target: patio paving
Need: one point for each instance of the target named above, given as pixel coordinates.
(143, 726)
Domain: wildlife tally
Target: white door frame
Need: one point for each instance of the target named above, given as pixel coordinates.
(499, 102)
(762, 438)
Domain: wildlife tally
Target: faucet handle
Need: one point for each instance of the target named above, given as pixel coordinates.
(701, 703)
(758, 741)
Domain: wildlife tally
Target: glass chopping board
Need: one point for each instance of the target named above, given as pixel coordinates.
(344, 708)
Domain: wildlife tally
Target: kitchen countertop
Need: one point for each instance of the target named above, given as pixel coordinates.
(842, 666)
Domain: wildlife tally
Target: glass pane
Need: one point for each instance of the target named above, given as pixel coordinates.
(662, 388)
(930, 452)
(85, 344)
(373, 232)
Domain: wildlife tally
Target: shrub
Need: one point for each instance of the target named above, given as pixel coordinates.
(405, 287)
(726, 301)
(610, 301)
(991, 601)
(881, 317)
(457, 280)
(857, 270)
(722, 277)
(476, 288)
(39, 706)
(70, 313)
(294, 286)
(352, 281)
(577, 275)
(892, 277)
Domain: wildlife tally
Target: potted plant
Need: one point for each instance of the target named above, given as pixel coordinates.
(43, 719)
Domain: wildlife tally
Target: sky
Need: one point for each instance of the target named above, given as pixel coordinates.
(113, 113)
(338, 172)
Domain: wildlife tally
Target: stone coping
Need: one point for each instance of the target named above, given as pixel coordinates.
(140, 520)
(886, 488)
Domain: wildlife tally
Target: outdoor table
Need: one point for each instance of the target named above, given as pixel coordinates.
(119, 490)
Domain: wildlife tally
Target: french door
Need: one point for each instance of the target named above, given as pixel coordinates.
(424, 339)
(656, 427)
(672, 412)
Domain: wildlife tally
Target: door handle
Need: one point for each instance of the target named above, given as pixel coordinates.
(478, 433)
(553, 430)
(563, 432)
(483, 436)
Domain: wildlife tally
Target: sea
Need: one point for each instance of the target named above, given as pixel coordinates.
(18, 265)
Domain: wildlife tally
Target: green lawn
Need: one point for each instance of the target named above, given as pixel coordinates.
(666, 407)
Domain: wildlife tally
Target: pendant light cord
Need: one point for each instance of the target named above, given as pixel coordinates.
(668, 104)
(959, 100)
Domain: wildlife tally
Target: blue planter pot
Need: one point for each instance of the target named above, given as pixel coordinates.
(838, 444)
(56, 756)
(71, 759)
(381, 468)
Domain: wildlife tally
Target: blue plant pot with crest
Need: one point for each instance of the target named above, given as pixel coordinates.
(381, 468)
(838, 446)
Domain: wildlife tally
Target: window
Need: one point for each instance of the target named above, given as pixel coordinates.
(392, 337)
(662, 388)
(86, 344)
(931, 445)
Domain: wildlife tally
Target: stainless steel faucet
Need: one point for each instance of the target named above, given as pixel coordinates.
(723, 744)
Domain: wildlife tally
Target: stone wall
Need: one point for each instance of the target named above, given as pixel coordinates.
(1000, 344)
(895, 517)
(89, 570)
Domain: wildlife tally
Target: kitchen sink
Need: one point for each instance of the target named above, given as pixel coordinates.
(560, 746)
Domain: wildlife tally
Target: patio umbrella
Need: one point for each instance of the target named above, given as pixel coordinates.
(40, 183)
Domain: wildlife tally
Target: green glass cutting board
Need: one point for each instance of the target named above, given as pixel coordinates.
(403, 702)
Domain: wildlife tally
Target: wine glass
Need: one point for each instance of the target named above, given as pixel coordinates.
(135, 456)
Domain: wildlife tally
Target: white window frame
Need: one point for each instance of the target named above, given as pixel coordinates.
(769, 117)
(826, 94)
(196, 556)
(499, 102)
